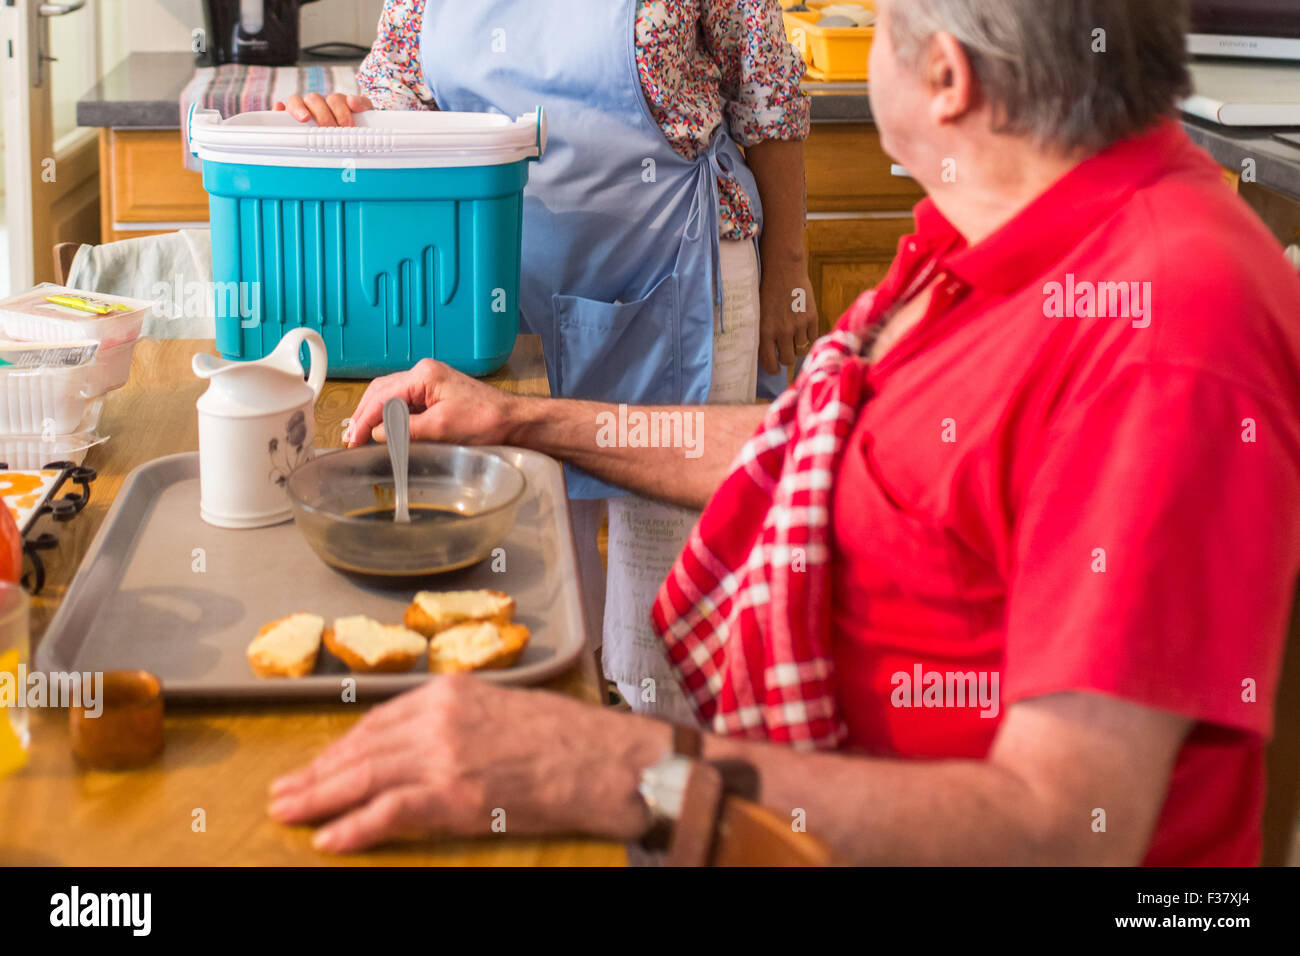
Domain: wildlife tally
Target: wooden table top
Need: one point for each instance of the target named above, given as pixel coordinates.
(218, 759)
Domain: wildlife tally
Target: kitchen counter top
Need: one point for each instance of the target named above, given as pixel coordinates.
(839, 102)
(1277, 163)
(143, 92)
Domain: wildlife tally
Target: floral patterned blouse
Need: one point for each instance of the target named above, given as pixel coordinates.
(702, 62)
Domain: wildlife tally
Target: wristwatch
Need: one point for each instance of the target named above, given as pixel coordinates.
(663, 786)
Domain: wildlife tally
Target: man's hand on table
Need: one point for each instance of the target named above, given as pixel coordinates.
(450, 757)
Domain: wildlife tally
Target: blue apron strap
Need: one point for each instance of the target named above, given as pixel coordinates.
(725, 158)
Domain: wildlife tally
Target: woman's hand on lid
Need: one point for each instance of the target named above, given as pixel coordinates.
(333, 110)
(789, 322)
(446, 406)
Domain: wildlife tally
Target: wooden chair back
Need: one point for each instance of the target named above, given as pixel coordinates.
(64, 253)
(720, 827)
(1282, 800)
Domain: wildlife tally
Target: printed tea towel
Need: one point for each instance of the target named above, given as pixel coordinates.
(234, 88)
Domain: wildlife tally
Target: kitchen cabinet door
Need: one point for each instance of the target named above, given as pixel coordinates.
(146, 188)
(848, 254)
(849, 172)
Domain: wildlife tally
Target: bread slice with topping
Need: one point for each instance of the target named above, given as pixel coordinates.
(432, 612)
(287, 647)
(369, 647)
(477, 646)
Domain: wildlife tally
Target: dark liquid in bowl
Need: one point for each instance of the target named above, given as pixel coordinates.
(420, 514)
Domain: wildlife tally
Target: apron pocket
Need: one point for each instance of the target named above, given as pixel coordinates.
(626, 352)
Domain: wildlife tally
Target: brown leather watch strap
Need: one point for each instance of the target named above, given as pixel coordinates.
(691, 839)
(694, 839)
(688, 742)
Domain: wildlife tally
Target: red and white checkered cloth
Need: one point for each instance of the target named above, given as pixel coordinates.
(745, 613)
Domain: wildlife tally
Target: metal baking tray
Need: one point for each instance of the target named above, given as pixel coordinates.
(162, 590)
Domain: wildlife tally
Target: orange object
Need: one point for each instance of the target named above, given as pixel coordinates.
(128, 732)
(11, 547)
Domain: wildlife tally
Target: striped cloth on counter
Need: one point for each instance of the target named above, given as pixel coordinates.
(234, 88)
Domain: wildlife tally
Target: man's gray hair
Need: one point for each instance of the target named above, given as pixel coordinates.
(1072, 74)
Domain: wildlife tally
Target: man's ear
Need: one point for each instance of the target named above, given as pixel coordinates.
(950, 80)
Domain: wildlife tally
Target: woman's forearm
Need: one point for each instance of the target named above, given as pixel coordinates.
(778, 168)
(789, 320)
(391, 76)
(679, 455)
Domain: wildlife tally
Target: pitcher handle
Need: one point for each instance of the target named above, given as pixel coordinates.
(292, 344)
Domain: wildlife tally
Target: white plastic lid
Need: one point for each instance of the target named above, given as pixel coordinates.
(382, 139)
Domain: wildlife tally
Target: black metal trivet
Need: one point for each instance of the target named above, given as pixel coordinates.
(60, 509)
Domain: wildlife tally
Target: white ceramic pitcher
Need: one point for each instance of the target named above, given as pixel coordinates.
(257, 423)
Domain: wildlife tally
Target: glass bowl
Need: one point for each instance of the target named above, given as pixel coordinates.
(463, 504)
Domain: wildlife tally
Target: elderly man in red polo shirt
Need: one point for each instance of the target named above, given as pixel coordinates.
(1030, 513)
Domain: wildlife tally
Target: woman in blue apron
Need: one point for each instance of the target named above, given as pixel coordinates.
(642, 227)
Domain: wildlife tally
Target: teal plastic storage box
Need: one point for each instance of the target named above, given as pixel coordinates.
(397, 239)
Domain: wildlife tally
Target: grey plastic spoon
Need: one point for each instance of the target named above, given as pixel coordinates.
(397, 432)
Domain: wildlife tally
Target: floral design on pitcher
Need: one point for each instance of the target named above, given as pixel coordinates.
(291, 451)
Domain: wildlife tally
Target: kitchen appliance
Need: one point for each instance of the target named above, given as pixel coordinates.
(257, 423)
(251, 32)
(1254, 29)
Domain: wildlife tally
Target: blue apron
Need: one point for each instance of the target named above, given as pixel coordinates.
(620, 232)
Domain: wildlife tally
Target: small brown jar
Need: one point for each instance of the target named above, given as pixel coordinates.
(129, 731)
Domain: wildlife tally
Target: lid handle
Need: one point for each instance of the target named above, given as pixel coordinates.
(197, 118)
(543, 131)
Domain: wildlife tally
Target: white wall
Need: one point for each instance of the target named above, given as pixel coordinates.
(131, 26)
(351, 20)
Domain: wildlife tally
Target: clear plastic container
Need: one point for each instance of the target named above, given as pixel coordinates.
(48, 401)
(111, 369)
(52, 399)
(30, 317)
(31, 452)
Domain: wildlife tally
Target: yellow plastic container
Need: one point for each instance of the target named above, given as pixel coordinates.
(833, 54)
(13, 730)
